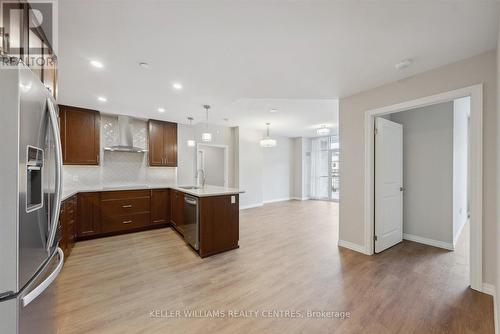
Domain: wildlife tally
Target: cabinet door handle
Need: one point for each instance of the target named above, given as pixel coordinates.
(127, 222)
(127, 206)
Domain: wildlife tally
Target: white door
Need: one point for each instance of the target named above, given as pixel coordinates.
(388, 184)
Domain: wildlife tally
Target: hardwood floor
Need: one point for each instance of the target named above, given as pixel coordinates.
(288, 260)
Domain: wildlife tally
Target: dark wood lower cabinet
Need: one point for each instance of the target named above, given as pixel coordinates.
(160, 206)
(97, 214)
(88, 215)
(219, 224)
(176, 208)
(67, 225)
(125, 210)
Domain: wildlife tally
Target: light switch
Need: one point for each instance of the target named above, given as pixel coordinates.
(233, 199)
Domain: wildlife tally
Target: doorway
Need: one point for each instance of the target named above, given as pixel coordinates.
(474, 171)
(325, 168)
(213, 161)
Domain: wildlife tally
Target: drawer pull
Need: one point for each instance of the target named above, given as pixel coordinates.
(127, 206)
(127, 222)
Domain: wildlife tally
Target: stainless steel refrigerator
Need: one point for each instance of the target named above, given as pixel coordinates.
(30, 199)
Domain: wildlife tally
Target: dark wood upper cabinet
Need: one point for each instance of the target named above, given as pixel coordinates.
(80, 135)
(162, 143)
(156, 143)
(160, 206)
(89, 214)
(170, 130)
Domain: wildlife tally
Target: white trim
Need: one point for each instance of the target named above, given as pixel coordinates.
(250, 206)
(284, 199)
(475, 168)
(352, 246)
(427, 241)
(457, 236)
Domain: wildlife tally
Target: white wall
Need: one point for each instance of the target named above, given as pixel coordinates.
(428, 172)
(278, 171)
(461, 112)
(186, 157)
(479, 69)
(250, 167)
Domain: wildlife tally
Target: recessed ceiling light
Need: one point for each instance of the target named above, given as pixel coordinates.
(403, 64)
(177, 86)
(273, 110)
(102, 99)
(144, 65)
(161, 109)
(96, 63)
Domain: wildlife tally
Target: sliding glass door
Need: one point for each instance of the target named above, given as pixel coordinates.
(325, 168)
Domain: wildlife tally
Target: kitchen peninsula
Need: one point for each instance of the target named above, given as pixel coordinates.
(210, 227)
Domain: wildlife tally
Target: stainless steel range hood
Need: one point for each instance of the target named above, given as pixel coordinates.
(125, 138)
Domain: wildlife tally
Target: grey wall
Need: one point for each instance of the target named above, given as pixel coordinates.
(266, 174)
(428, 171)
(478, 69)
(497, 282)
(461, 112)
(278, 168)
(302, 168)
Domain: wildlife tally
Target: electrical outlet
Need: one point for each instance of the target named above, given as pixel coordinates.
(75, 178)
(233, 199)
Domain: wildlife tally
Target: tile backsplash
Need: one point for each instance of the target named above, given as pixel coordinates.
(119, 167)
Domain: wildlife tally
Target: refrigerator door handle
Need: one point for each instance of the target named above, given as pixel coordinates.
(26, 300)
(54, 124)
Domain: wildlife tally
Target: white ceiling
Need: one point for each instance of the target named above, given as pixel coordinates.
(246, 57)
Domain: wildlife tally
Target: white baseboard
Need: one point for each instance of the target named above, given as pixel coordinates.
(256, 205)
(491, 290)
(488, 289)
(300, 198)
(244, 207)
(427, 241)
(284, 199)
(352, 246)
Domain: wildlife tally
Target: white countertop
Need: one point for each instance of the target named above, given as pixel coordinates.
(205, 191)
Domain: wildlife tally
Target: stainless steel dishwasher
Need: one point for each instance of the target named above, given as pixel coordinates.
(191, 221)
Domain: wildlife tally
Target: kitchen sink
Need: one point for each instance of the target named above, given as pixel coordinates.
(190, 187)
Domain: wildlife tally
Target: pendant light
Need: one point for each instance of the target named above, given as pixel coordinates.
(323, 130)
(191, 142)
(206, 136)
(268, 141)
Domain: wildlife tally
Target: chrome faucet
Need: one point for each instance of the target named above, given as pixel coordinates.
(197, 177)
